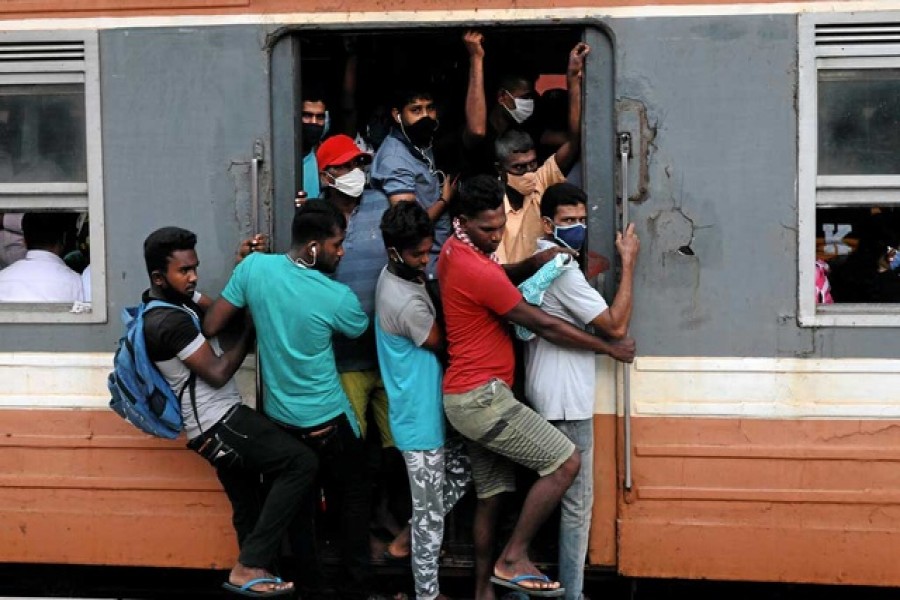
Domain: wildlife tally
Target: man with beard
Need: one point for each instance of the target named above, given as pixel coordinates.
(239, 442)
(404, 167)
(298, 308)
(479, 301)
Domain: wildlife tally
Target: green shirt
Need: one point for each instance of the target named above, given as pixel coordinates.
(296, 311)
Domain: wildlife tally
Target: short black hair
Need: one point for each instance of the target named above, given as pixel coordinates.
(313, 92)
(511, 81)
(479, 193)
(42, 230)
(408, 94)
(561, 194)
(512, 141)
(160, 245)
(316, 220)
(405, 225)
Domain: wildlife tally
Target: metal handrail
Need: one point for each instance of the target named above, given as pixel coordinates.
(624, 144)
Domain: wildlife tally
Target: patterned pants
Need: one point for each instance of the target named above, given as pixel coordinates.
(437, 479)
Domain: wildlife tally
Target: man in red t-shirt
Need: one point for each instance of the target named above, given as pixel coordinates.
(480, 300)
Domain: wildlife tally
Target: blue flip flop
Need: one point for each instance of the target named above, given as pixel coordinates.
(244, 590)
(514, 584)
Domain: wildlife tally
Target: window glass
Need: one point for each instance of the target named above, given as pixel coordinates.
(859, 121)
(859, 248)
(42, 133)
(52, 259)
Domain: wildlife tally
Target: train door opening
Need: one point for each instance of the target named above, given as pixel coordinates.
(358, 70)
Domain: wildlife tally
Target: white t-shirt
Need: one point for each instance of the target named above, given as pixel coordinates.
(40, 277)
(559, 382)
(86, 283)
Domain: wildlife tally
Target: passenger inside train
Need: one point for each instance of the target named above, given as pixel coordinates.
(42, 142)
(870, 273)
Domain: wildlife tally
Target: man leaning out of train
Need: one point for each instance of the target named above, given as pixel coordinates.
(239, 442)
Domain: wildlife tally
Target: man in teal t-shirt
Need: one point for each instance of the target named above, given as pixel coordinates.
(296, 310)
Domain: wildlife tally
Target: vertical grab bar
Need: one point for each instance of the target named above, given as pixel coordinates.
(255, 164)
(624, 144)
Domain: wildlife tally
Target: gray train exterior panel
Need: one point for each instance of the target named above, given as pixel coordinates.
(182, 107)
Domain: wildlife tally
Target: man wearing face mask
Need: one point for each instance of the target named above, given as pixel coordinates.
(410, 343)
(343, 184)
(560, 381)
(480, 301)
(525, 180)
(404, 167)
(513, 109)
(315, 123)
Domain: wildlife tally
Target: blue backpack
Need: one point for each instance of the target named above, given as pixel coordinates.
(140, 394)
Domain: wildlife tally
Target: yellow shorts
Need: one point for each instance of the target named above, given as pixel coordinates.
(361, 388)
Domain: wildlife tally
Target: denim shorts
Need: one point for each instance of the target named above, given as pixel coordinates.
(500, 431)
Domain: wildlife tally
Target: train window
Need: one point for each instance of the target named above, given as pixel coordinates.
(50, 179)
(849, 170)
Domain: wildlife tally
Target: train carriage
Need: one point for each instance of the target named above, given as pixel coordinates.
(754, 437)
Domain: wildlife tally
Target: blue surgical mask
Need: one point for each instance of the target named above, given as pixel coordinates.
(571, 236)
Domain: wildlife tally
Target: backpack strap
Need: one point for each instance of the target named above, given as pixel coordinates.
(191, 383)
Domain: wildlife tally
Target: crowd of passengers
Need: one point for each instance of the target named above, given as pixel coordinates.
(449, 315)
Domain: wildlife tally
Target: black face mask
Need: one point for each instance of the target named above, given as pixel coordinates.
(311, 134)
(421, 132)
(404, 271)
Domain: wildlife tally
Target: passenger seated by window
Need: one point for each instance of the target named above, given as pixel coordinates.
(42, 276)
(525, 179)
(872, 272)
(12, 242)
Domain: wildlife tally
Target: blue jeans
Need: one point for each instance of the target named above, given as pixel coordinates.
(575, 508)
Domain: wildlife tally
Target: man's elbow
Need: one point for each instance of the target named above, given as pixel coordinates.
(618, 333)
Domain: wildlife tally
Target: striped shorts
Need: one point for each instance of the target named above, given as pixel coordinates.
(500, 431)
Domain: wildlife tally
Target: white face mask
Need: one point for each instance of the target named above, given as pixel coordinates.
(351, 184)
(524, 108)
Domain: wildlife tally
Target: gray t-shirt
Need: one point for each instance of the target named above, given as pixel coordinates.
(560, 382)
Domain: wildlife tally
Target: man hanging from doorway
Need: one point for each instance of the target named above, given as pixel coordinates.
(479, 301)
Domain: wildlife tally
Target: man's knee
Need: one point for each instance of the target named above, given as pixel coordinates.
(304, 463)
(569, 469)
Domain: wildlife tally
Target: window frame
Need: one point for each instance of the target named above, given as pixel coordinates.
(848, 48)
(87, 195)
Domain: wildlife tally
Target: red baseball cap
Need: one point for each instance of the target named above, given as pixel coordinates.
(339, 150)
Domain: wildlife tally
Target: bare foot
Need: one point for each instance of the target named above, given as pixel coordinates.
(241, 574)
(400, 546)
